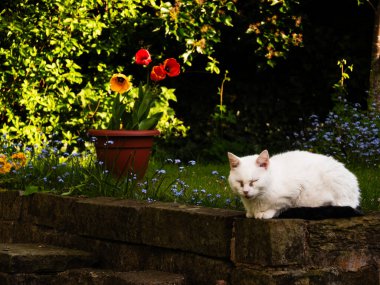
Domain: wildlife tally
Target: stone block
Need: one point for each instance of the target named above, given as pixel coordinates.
(109, 218)
(31, 258)
(51, 211)
(306, 276)
(7, 231)
(206, 231)
(10, 204)
(347, 243)
(197, 269)
(26, 278)
(270, 242)
(108, 277)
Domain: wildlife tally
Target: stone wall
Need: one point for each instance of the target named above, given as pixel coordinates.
(203, 244)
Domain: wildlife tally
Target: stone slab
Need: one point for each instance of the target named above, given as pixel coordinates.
(11, 204)
(347, 243)
(51, 211)
(270, 242)
(306, 276)
(90, 276)
(29, 258)
(206, 231)
(108, 277)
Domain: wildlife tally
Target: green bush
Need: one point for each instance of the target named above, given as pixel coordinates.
(58, 56)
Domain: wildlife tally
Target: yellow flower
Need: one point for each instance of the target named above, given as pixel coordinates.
(5, 166)
(19, 160)
(120, 83)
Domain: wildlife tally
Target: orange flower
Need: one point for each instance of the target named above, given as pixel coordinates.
(120, 83)
(19, 160)
(158, 73)
(142, 57)
(172, 67)
(5, 166)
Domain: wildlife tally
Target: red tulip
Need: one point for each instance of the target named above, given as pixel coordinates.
(158, 73)
(172, 67)
(142, 57)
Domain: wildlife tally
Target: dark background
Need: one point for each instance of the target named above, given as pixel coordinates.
(271, 101)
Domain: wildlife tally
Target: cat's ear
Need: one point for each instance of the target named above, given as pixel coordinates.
(234, 160)
(263, 159)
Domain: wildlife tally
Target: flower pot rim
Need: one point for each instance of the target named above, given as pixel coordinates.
(114, 133)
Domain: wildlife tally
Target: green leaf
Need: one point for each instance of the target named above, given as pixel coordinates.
(151, 122)
(145, 103)
(29, 190)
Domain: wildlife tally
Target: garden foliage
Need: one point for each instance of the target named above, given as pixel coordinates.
(57, 57)
(349, 132)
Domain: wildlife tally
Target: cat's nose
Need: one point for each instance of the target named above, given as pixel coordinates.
(245, 192)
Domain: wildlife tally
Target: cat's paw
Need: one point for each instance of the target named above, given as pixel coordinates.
(266, 214)
(259, 215)
(269, 214)
(249, 215)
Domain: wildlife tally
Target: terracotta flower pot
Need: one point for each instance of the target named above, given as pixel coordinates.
(124, 151)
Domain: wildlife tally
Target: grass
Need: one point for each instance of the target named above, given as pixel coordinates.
(369, 182)
(197, 184)
(212, 178)
(171, 181)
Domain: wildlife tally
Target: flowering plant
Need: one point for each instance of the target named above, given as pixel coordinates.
(16, 161)
(139, 116)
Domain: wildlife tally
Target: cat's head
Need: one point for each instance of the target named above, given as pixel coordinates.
(246, 174)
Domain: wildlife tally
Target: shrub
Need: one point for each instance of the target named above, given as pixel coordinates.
(57, 57)
(348, 132)
(352, 138)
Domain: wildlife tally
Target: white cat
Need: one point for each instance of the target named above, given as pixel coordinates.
(291, 179)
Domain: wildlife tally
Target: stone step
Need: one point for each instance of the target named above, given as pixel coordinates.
(41, 258)
(108, 277)
(41, 264)
(89, 276)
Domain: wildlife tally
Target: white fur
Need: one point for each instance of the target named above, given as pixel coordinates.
(268, 186)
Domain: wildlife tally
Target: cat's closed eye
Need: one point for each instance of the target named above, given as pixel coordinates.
(251, 182)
